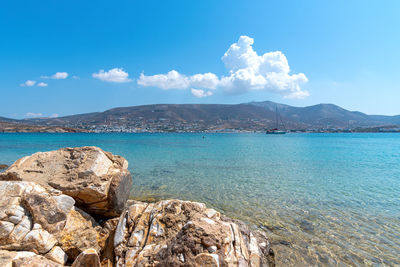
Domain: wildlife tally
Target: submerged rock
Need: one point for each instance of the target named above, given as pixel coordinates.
(3, 166)
(98, 181)
(184, 233)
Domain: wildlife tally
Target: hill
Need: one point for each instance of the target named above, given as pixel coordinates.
(253, 116)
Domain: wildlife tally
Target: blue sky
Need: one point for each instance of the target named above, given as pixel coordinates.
(341, 52)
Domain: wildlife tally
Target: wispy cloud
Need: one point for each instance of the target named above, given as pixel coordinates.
(33, 115)
(56, 76)
(42, 84)
(28, 83)
(248, 71)
(199, 93)
(116, 75)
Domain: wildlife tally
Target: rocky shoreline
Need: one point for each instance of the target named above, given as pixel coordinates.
(70, 207)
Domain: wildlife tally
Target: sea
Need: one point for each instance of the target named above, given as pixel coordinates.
(323, 199)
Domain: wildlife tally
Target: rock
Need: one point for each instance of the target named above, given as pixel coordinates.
(7, 257)
(33, 219)
(57, 255)
(106, 241)
(87, 258)
(3, 166)
(98, 181)
(184, 233)
(22, 225)
(34, 261)
(81, 232)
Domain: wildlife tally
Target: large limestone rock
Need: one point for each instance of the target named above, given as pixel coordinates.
(183, 233)
(29, 217)
(45, 222)
(99, 181)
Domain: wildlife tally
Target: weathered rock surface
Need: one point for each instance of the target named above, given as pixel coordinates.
(7, 257)
(88, 258)
(99, 181)
(106, 241)
(81, 232)
(34, 261)
(47, 223)
(29, 217)
(183, 233)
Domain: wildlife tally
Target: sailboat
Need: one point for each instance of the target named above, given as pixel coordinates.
(276, 129)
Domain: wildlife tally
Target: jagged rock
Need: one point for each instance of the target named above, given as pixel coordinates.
(34, 219)
(184, 233)
(34, 261)
(7, 257)
(106, 241)
(22, 225)
(88, 258)
(98, 181)
(58, 255)
(81, 232)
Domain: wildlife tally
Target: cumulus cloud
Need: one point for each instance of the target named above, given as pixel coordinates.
(33, 115)
(248, 71)
(54, 115)
(200, 93)
(28, 83)
(175, 80)
(57, 76)
(42, 84)
(116, 75)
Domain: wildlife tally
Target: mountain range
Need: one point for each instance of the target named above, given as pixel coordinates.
(214, 117)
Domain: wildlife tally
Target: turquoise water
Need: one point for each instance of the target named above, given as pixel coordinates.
(324, 199)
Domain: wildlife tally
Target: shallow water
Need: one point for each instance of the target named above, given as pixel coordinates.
(324, 199)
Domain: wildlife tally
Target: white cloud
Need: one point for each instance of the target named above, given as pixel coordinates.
(42, 84)
(201, 93)
(28, 83)
(175, 80)
(247, 72)
(270, 72)
(55, 115)
(56, 76)
(33, 115)
(171, 80)
(208, 80)
(116, 75)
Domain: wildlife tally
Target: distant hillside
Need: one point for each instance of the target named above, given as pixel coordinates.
(202, 117)
(8, 127)
(323, 115)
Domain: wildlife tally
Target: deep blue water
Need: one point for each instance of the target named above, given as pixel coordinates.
(323, 198)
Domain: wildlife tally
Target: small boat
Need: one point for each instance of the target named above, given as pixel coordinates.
(276, 129)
